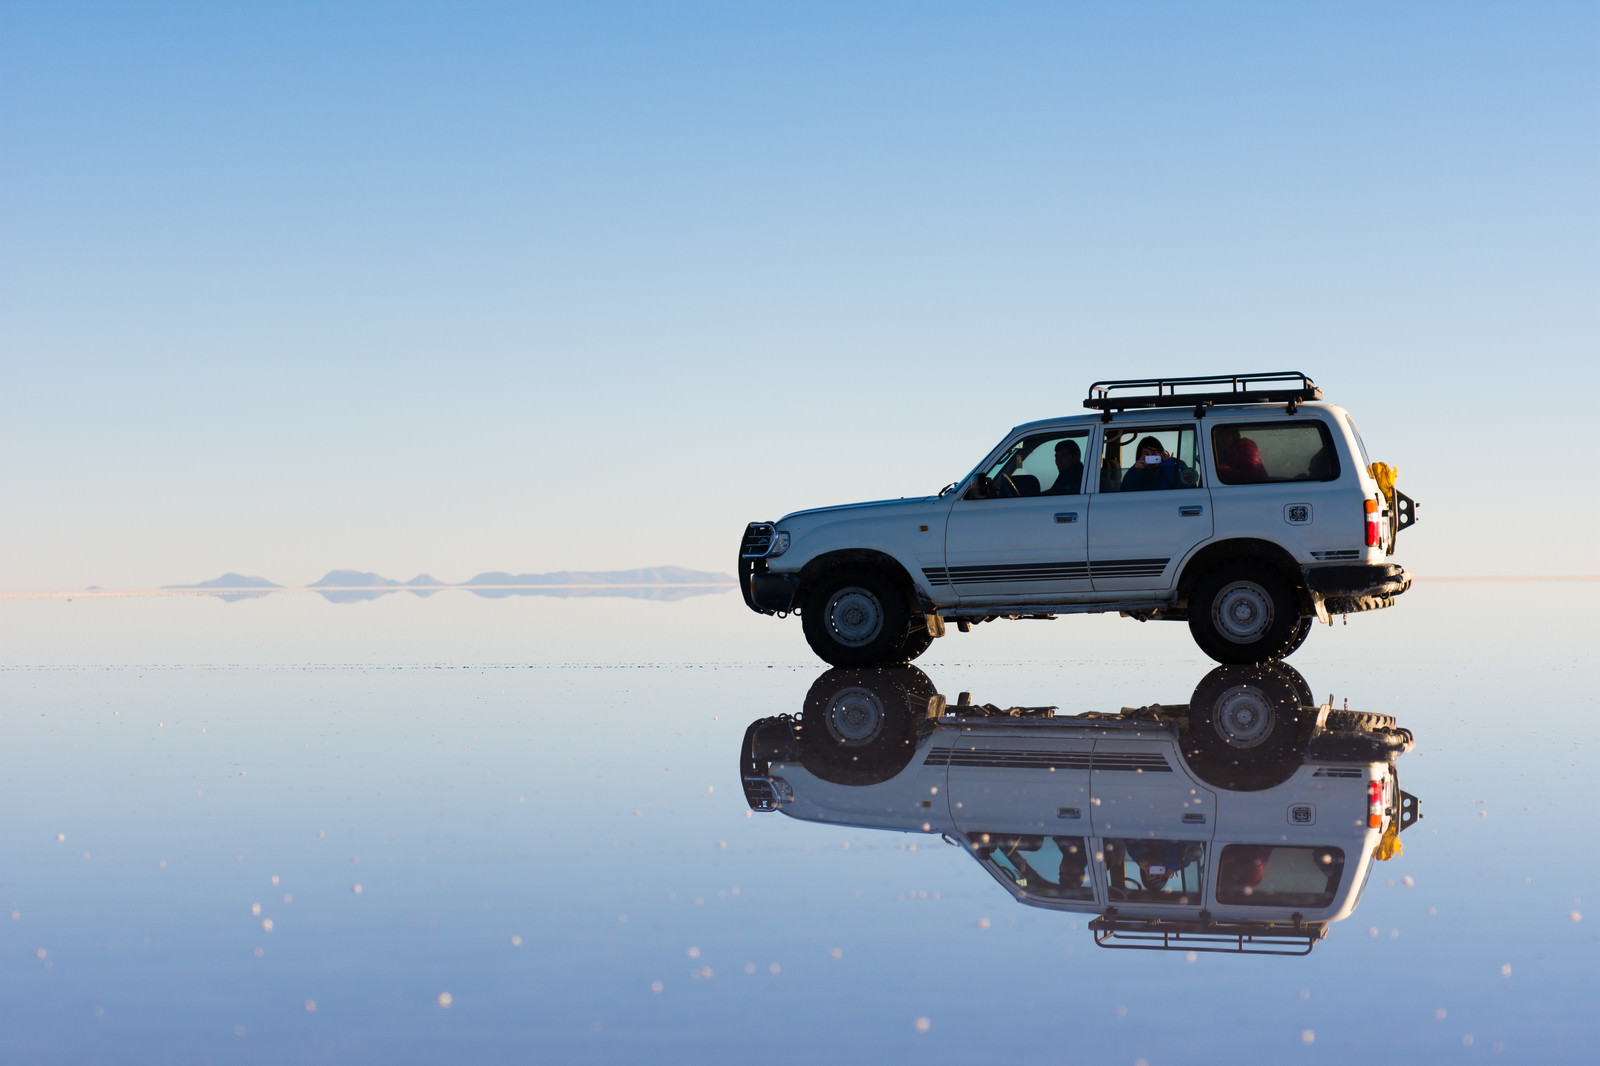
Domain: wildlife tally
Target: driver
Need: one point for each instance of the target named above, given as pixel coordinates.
(1069, 464)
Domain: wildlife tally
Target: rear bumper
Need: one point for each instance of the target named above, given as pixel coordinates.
(1348, 589)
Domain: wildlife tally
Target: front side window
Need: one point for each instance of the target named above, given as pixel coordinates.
(1043, 867)
(1045, 464)
(1154, 871)
(1139, 460)
(1265, 875)
(1262, 453)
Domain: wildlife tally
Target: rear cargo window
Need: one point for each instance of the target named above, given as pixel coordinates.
(1263, 453)
(1264, 875)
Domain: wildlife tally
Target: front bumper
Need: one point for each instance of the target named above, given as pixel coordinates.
(1348, 589)
(764, 592)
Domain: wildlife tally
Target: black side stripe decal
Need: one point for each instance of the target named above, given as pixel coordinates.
(1026, 759)
(970, 575)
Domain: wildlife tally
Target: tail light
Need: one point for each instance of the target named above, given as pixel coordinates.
(1374, 534)
(1374, 804)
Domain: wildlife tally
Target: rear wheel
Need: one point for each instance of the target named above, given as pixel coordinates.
(856, 617)
(1244, 612)
(1298, 637)
(1246, 726)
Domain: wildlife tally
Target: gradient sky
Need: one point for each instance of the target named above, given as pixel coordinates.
(457, 287)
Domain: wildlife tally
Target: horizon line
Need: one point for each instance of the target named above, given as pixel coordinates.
(134, 593)
(49, 594)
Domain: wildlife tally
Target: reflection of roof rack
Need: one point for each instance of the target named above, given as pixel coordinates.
(1207, 934)
(1280, 386)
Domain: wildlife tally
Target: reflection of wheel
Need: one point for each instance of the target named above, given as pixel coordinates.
(1246, 725)
(855, 617)
(1243, 612)
(860, 726)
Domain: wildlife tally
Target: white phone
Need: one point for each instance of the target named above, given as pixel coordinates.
(1152, 460)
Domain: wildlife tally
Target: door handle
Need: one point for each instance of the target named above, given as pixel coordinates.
(1191, 512)
(1066, 517)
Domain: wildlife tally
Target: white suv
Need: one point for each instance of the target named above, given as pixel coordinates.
(1237, 503)
(1246, 820)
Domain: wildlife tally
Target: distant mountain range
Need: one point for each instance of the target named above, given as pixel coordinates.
(349, 586)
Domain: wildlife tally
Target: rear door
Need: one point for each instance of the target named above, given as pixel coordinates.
(1154, 824)
(1137, 789)
(1145, 517)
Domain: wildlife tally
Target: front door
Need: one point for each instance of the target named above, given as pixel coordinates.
(1020, 798)
(1150, 507)
(1020, 534)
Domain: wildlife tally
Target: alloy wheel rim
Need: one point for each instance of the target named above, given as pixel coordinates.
(855, 716)
(1242, 612)
(1244, 717)
(855, 616)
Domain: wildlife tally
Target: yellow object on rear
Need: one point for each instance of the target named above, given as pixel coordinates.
(1389, 844)
(1385, 476)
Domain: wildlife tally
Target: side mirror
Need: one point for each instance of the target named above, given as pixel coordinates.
(980, 488)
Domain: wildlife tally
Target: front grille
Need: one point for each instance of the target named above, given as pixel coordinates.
(757, 540)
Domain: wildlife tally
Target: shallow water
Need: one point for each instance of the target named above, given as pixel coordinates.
(516, 829)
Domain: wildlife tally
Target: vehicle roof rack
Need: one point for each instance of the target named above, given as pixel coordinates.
(1278, 386)
(1211, 935)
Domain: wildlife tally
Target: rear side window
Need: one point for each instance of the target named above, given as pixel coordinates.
(1264, 453)
(1265, 875)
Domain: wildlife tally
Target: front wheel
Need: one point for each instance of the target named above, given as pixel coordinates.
(1243, 613)
(859, 727)
(856, 618)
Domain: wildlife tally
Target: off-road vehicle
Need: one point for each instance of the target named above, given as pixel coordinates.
(1248, 819)
(1237, 503)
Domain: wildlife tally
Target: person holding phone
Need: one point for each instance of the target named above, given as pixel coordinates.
(1153, 468)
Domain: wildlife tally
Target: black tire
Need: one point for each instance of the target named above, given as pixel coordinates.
(1298, 637)
(1248, 726)
(860, 727)
(1245, 612)
(856, 617)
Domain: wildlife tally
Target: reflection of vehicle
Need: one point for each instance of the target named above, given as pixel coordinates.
(1245, 820)
(1236, 503)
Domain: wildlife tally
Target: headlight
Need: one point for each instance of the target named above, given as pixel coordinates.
(780, 544)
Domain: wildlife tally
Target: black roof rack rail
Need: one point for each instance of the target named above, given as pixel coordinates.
(1278, 386)
(1211, 935)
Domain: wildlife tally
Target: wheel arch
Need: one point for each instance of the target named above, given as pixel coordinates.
(1250, 548)
(887, 564)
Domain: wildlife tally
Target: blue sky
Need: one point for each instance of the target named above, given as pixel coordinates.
(407, 287)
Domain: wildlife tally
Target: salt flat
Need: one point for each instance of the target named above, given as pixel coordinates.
(413, 830)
